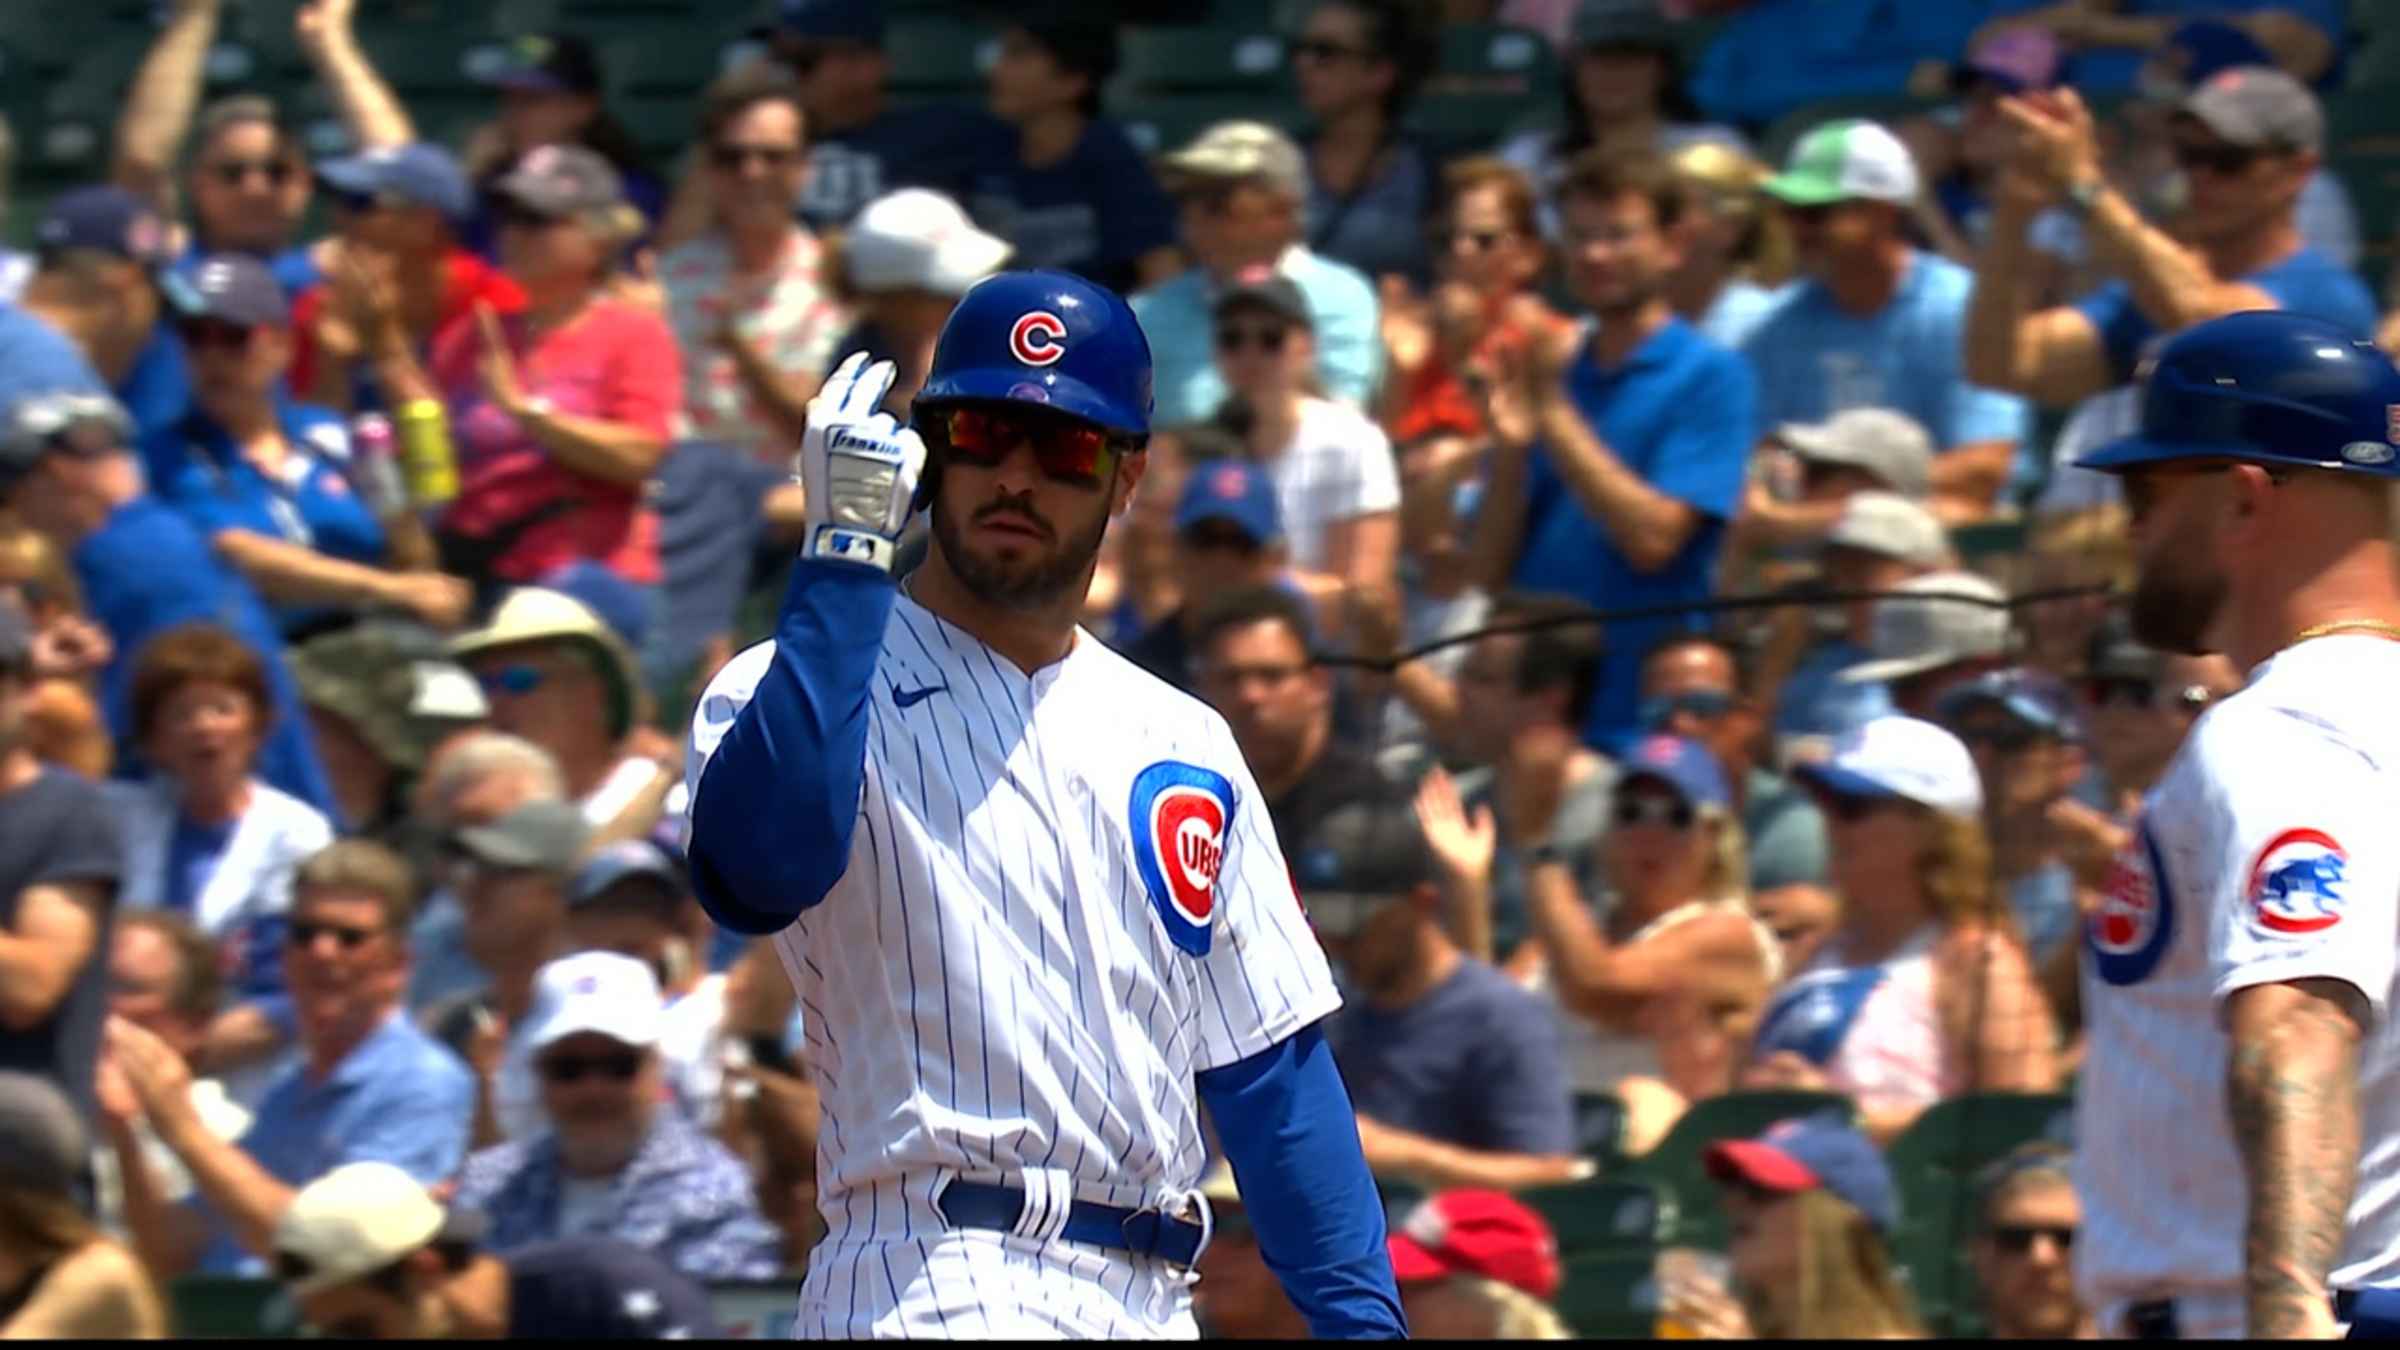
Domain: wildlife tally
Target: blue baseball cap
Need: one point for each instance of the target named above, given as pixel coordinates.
(417, 174)
(107, 220)
(1045, 337)
(232, 288)
(1677, 761)
(1808, 1153)
(549, 63)
(1236, 491)
(2032, 697)
(832, 20)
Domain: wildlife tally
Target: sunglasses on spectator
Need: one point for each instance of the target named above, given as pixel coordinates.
(618, 1066)
(1327, 50)
(2006, 737)
(234, 172)
(738, 156)
(1219, 538)
(516, 679)
(514, 216)
(1234, 677)
(2018, 1238)
(203, 334)
(1268, 338)
(2145, 695)
(1476, 241)
(302, 934)
(1071, 452)
(1653, 810)
(2213, 157)
(1705, 704)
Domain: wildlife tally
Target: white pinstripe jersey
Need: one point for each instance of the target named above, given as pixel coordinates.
(2270, 851)
(1064, 900)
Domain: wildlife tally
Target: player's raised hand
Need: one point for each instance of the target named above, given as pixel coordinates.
(858, 467)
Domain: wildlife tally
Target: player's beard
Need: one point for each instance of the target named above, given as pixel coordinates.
(2175, 604)
(1033, 585)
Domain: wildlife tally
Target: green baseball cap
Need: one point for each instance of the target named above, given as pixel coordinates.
(1846, 161)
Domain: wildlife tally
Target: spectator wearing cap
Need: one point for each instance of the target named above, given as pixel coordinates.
(1922, 992)
(1813, 1206)
(67, 471)
(60, 865)
(1337, 488)
(1962, 149)
(473, 778)
(905, 260)
(99, 252)
(510, 875)
(2303, 37)
(397, 275)
(1228, 538)
(1513, 710)
(267, 479)
(41, 353)
(1477, 1265)
(559, 675)
(1855, 450)
(748, 297)
(2027, 1217)
(2027, 737)
(1696, 685)
(1357, 65)
(2140, 703)
(1736, 253)
(366, 1085)
(368, 1254)
(631, 898)
(551, 90)
(1875, 322)
(616, 1157)
(1456, 1071)
(163, 977)
(379, 696)
(1238, 1298)
(1076, 196)
(60, 1277)
(1623, 91)
(1251, 653)
(560, 413)
(1929, 634)
(1880, 542)
(863, 147)
(1618, 456)
(1241, 190)
(204, 838)
(2247, 142)
(1672, 927)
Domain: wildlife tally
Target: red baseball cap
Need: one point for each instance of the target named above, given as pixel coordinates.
(1482, 1233)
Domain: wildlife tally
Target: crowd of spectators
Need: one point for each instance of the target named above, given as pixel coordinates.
(369, 518)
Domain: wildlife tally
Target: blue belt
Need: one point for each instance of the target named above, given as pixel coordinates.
(1145, 1232)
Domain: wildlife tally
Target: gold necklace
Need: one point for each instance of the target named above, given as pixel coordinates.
(2375, 626)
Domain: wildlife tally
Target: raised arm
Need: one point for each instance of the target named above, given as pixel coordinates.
(159, 106)
(369, 108)
(2053, 356)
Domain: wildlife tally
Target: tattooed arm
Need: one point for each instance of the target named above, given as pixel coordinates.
(2293, 1091)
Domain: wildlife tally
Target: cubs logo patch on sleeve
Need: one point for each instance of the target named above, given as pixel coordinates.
(2296, 884)
(2129, 932)
(1181, 816)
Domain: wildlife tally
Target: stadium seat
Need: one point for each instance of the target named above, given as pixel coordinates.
(1157, 125)
(214, 1307)
(1610, 1296)
(1675, 1165)
(1492, 79)
(940, 58)
(1214, 60)
(1609, 1214)
(424, 60)
(1935, 1163)
(1600, 1126)
(678, 61)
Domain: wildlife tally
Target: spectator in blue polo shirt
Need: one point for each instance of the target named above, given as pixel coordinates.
(365, 1086)
(1075, 195)
(1618, 462)
(99, 252)
(268, 480)
(67, 473)
(1876, 322)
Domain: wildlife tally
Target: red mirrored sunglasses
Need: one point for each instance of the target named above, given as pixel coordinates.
(1068, 450)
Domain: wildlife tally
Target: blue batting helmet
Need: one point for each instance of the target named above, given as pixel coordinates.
(1048, 338)
(2268, 387)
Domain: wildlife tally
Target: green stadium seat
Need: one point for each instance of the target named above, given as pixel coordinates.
(1600, 1126)
(1609, 1296)
(1935, 1163)
(940, 58)
(1215, 60)
(427, 60)
(1675, 1163)
(1158, 125)
(678, 61)
(662, 125)
(1495, 58)
(211, 1307)
(1608, 1214)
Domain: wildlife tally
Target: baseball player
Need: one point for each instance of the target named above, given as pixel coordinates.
(2240, 1106)
(1028, 893)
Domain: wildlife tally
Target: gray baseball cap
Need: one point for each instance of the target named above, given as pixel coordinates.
(562, 180)
(2258, 108)
(1892, 526)
(66, 421)
(546, 836)
(43, 1146)
(1891, 445)
(1934, 621)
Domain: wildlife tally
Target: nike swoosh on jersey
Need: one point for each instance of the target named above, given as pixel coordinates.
(909, 698)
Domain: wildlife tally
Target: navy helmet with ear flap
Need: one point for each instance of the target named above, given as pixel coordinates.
(2266, 387)
(1046, 338)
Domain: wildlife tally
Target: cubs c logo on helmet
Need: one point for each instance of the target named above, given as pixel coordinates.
(1181, 816)
(2296, 884)
(2128, 934)
(1038, 338)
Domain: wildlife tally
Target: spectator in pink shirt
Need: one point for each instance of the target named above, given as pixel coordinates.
(559, 414)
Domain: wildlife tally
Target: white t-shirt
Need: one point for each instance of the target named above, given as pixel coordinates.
(2266, 854)
(691, 1038)
(1338, 467)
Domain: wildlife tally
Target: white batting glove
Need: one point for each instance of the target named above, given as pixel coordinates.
(858, 467)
